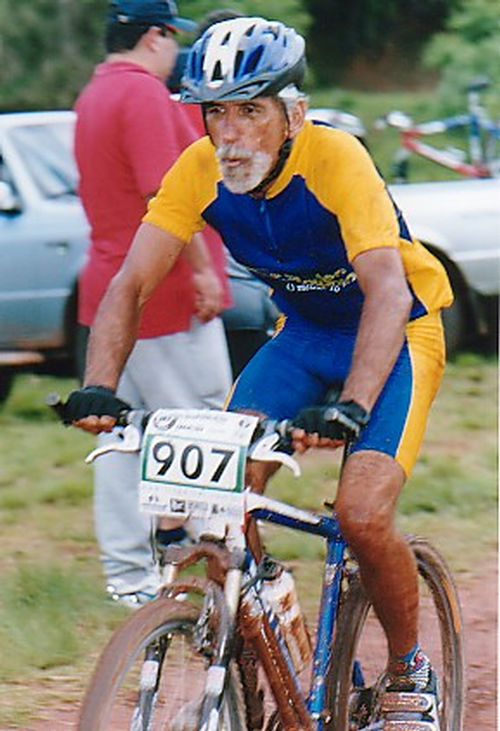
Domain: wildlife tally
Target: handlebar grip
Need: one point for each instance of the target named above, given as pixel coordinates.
(123, 417)
(54, 401)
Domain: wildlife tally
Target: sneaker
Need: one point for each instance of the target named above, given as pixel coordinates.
(410, 696)
(167, 537)
(129, 599)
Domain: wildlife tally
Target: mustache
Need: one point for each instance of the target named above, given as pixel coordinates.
(225, 151)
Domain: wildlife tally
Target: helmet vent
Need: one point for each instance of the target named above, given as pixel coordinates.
(250, 30)
(253, 60)
(217, 74)
(226, 40)
(237, 62)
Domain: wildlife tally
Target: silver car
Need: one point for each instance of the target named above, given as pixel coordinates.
(43, 239)
(459, 221)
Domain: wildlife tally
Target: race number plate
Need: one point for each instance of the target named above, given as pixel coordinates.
(193, 462)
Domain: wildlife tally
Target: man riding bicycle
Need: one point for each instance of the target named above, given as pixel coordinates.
(303, 207)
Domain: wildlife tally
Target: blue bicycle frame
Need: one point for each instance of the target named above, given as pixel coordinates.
(328, 528)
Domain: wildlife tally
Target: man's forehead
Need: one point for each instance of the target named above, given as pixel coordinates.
(264, 101)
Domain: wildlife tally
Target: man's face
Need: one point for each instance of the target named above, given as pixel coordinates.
(167, 48)
(247, 136)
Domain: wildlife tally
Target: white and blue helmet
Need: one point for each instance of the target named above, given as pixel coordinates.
(243, 58)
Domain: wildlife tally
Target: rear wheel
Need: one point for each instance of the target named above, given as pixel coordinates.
(152, 674)
(360, 654)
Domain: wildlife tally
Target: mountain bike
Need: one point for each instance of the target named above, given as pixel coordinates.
(481, 159)
(220, 647)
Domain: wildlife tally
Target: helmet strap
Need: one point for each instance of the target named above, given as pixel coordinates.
(283, 155)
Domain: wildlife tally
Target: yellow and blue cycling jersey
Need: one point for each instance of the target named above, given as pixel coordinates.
(328, 205)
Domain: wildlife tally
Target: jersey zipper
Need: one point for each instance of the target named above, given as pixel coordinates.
(264, 212)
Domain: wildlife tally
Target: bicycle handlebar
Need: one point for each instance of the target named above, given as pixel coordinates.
(271, 440)
(139, 418)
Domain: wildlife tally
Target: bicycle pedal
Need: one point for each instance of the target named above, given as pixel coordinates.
(361, 707)
(397, 702)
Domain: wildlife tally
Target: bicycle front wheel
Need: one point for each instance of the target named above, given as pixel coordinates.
(152, 674)
(360, 649)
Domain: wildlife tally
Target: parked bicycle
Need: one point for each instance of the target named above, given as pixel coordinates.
(228, 647)
(480, 159)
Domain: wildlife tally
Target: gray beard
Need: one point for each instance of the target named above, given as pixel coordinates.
(243, 179)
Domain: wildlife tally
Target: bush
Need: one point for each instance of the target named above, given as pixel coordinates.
(469, 47)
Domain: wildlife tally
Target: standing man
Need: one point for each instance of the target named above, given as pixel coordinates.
(128, 134)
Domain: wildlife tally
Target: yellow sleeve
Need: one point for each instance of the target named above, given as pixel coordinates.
(348, 184)
(186, 190)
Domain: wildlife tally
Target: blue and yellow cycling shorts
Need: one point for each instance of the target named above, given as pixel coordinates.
(299, 366)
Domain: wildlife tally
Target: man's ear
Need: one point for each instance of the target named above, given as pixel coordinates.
(151, 38)
(297, 117)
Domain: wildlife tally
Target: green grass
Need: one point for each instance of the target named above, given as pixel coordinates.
(54, 617)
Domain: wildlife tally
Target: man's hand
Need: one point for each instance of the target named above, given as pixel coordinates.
(94, 409)
(208, 294)
(328, 426)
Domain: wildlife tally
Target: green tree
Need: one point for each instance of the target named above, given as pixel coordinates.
(468, 47)
(49, 47)
(291, 12)
(342, 32)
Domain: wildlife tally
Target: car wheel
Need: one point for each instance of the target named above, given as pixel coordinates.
(459, 326)
(459, 321)
(6, 380)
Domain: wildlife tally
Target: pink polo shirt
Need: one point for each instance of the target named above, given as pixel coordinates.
(128, 133)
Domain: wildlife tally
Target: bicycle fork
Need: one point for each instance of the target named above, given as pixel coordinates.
(222, 567)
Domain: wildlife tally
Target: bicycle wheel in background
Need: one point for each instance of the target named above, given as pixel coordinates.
(360, 648)
(152, 673)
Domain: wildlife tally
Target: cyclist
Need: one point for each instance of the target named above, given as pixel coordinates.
(303, 207)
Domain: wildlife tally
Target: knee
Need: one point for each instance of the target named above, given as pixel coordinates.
(258, 473)
(364, 526)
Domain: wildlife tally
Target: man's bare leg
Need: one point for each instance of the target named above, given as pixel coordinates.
(369, 487)
(256, 476)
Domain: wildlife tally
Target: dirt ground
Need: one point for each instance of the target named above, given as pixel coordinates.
(479, 605)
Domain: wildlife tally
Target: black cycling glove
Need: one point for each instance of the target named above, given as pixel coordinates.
(343, 420)
(93, 401)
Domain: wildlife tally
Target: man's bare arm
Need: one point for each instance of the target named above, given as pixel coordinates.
(152, 254)
(381, 332)
(386, 307)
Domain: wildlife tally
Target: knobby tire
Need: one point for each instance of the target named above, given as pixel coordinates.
(351, 624)
(113, 701)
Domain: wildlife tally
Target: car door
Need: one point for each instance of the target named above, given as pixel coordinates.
(461, 218)
(42, 238)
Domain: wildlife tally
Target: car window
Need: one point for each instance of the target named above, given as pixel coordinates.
(46, 150)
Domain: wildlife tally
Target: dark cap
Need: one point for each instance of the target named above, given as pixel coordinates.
(161, 12)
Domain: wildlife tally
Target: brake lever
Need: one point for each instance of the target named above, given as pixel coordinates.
(262, 451)
(129, 441)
